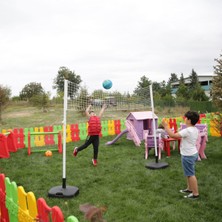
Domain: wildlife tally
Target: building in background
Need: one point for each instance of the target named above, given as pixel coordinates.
(204, 80)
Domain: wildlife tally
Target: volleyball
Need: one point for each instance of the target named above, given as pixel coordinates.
(107, 84)
(48, 153)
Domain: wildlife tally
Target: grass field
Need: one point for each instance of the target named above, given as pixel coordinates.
(122, 183)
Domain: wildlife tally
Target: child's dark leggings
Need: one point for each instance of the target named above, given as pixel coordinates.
(94, 140)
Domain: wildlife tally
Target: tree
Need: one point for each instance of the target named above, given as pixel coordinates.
(83, 99)
(30, 90)
(173, 78)
(181, 80)
(142, 91)
(41, 100)
(196, 92)
(156, 87)
(216, 90)
(5, 94)
(65, 73)
(143, 83)
(182, 92)
(194, 82)
(165, 89)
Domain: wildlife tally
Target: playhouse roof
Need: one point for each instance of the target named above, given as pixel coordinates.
(143, 115)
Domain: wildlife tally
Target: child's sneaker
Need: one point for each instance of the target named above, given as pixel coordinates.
(185, 191)
(75, 151)
(191, 196)
(94, 161)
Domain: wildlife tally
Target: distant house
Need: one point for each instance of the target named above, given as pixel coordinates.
(204, 80)
(142, 121)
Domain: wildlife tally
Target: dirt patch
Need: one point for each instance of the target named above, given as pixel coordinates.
(18, 114)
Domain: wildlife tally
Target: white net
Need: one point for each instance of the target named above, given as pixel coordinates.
(79, 98)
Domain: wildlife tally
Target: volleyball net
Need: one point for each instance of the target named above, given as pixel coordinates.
(78, 99)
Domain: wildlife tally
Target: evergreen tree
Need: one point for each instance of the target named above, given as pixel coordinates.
(195, 90)
(142, 84)
(173, 78)
(182, 92)
(216, 90)
(182, 80)
(194, 82)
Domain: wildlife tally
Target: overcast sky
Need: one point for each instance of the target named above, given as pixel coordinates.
(121, 40)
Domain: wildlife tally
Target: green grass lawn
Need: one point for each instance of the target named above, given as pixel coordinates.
(122, 183)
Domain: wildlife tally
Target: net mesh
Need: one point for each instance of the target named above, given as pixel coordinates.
(79, 99)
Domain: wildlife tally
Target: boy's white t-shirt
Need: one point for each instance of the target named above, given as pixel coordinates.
(189, 140)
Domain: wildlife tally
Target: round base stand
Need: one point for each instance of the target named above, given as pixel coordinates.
(155, 166)
(61, 192)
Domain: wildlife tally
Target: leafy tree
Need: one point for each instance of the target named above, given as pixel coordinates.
(142, 92)
(181, 80)
(194, 82)
(182, 92)
(216, 90)
(5, 94)
(166, 95)
(165, 89)
(65, 73)
(98, 93)
(156, 86)
(30, 90)
(83, 99)
(173, 78)
(41, 100)
(196, 92)
(143, 83)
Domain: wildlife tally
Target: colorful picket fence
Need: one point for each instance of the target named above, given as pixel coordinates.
(17, 205)
(12, 140)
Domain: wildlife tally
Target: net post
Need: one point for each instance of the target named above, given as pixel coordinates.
(64, 191)
(156, 164)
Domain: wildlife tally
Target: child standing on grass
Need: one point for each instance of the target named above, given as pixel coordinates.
(94, 130)
(188, 151)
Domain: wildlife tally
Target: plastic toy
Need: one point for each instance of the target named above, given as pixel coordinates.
(136, 124)
(131, 130)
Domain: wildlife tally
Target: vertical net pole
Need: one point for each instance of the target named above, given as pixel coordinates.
(154, 126)
(64, 191)
(156, 165)
(64, 133)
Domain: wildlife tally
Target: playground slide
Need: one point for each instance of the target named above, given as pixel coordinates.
(118, 136)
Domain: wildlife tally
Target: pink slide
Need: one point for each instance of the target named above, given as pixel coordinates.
(130, 129)
(118, 136)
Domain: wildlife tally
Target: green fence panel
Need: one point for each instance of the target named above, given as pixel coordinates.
(12, 200)
(72, 219)
(83, 131)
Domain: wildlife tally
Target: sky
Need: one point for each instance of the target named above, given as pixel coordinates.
(120, 40)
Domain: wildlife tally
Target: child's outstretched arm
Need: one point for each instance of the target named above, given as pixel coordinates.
(102, 110)
(169, 131)
(87, 110)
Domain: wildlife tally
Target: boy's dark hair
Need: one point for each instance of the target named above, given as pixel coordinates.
(192, 116)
